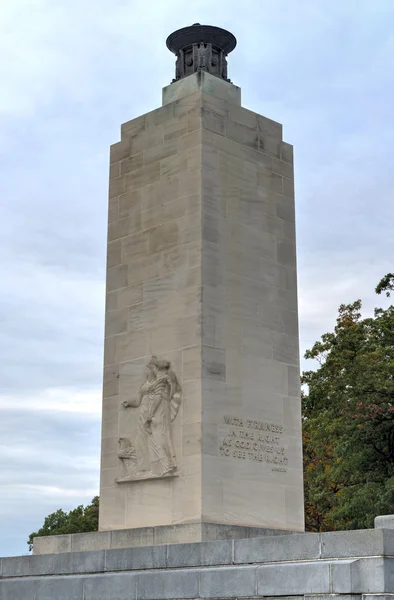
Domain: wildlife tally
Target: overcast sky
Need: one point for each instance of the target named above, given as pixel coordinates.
(71, 71)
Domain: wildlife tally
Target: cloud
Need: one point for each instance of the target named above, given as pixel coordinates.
(58, 400)
(48, 460)
(71, 74)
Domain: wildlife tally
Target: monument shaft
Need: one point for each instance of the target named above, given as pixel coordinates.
(201, 276)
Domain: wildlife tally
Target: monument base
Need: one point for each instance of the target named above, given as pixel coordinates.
(148, 536)
(356, 565)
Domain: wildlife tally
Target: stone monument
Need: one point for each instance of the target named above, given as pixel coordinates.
(201, 410)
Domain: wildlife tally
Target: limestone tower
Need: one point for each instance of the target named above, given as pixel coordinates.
(201, 429)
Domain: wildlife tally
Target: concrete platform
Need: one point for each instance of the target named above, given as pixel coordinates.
(348, 565)
(148, 536)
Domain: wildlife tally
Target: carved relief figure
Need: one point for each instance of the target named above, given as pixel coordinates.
(151, 453)
(204, 53)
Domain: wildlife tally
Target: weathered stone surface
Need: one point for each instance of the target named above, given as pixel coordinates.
(295, 547)
(203, 553)
(16, 589)
(62, 563)
(61, 588)
(168, 584)
(384, 522)
(201, 272)
(204, 82)
(52, 544)
(228, 583)
(293, 579)
(147, 536)
(372, 575)
(355, 543)
(295, 568)
(126, 559)
(121, 586)
(341, 576)
(374, 597)
(78, 562)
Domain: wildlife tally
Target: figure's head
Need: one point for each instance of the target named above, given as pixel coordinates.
(149, 372)
(155, 365)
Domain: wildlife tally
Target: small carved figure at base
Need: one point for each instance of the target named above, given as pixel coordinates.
(128, 455)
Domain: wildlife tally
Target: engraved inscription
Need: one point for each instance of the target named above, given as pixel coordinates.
(249, 439)
(150, 455)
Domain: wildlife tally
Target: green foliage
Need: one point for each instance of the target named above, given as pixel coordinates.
(348, 420)
(386, 284)
(79, 520)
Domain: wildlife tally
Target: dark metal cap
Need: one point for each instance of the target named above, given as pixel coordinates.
(201, 48)
(207, 34)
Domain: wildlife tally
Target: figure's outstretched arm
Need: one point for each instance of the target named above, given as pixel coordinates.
(134, 402)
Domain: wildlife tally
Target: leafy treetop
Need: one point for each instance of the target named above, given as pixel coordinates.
(348, 420)
(78, 520)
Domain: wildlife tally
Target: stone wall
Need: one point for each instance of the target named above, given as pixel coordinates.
(147, 536)
(344, 564)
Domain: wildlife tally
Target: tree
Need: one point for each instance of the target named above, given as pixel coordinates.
(348, 420)
(78, 520)
(386, 284)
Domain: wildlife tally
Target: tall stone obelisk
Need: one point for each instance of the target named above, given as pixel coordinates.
(201, 409)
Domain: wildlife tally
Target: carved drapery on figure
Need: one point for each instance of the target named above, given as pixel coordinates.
(151, 454)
